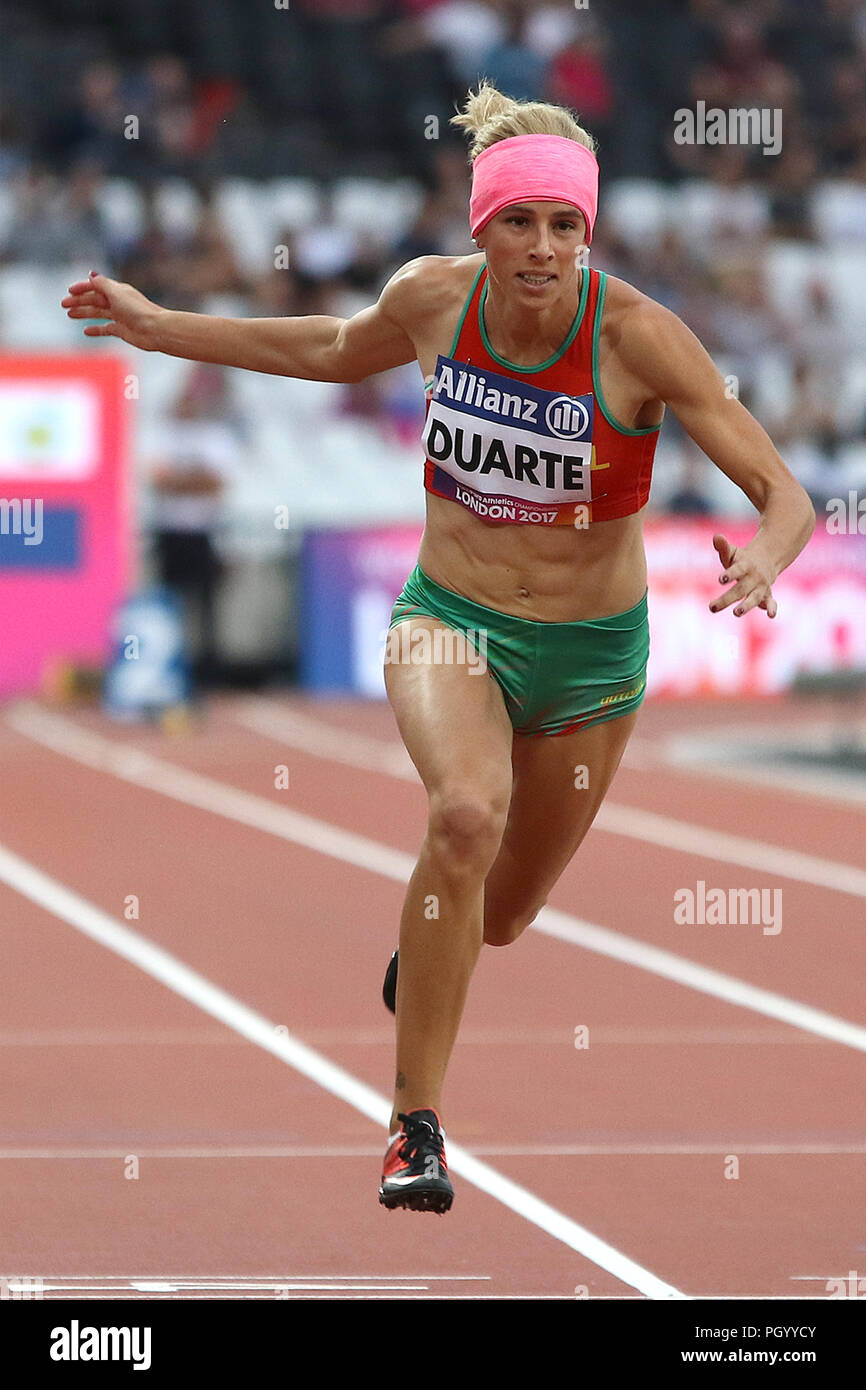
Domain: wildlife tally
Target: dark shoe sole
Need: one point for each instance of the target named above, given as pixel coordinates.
(418, 1199)
(389, 988)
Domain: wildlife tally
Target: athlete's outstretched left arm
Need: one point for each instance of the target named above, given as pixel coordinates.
(665, 355)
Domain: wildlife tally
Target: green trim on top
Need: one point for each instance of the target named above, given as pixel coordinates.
(481, 270)
(572, 332)
(596, 377)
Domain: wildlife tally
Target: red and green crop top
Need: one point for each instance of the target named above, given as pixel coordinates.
(534, 445)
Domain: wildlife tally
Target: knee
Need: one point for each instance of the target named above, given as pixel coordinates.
(503, 928)
(466, 828)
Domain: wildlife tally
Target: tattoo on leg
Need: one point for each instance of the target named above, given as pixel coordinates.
(400, 1083)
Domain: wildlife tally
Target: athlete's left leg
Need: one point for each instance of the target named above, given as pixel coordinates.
(558, 785)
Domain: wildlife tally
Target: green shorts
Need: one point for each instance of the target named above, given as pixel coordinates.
(555, 677)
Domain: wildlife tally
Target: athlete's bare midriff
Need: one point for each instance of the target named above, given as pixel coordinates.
(547, 574)
(551, 575)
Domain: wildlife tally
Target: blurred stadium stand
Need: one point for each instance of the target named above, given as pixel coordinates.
(308, 128)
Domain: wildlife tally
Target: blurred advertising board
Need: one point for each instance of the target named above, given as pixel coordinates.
(820, 625)
(149, 671)
(64, 519)
(349, 580)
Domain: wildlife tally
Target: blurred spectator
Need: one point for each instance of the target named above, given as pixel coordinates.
(816, 340)
(807, 435)
(93, 128)
(55, 222)
(578, 78)
(441, 227)
(690, 498)
(325, 250)
(154, 262)
(810, 415)
(467, 30)
(511, 63)
(791, 179)
(13, 143)
(180, 267)
(275, 295)
(425, 236)
(314, 106)
(743, 72)
(552, 27)
(196, 460)
(744, 326)
(209, 264)
(164, 99)
(668, 271)
(178, 116)
(453, 182)
(844, 134)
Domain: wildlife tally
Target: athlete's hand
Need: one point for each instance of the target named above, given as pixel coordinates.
(749, 570)
(133, 316)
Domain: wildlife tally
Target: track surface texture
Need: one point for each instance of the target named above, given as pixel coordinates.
(197, 1061)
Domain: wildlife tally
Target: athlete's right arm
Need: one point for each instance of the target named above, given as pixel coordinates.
(314, 347)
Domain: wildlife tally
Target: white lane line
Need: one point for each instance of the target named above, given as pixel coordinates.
(345, 1276)
(613, 944)
(478, 1150)
(654, 829)
(321, 740)
(142, 1151)
(61, 902)
(164, 1286)
(345, 746)
(205, 793)
(372, 1297)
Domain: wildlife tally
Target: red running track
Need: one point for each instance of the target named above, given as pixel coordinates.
(151, 1149)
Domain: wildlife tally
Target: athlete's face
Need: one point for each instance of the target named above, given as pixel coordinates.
(532, 250)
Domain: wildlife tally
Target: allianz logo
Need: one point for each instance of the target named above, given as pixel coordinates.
(566, 417)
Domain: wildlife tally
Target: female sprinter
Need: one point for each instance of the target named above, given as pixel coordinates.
(546, 386)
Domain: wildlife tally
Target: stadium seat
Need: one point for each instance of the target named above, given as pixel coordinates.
(381, 210)
(839, 212)
(790, 267)
(122, 206)
(845, 271)
(852, 470)
(852, 394)
(707, 209)
(40, 323)
(238, 203)
(290, 203)
(772, 386)
(177, 205)
(638, 210)
(7, 209)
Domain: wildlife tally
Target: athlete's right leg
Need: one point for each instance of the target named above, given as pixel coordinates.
(454, 724)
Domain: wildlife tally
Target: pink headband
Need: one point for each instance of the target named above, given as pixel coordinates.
(533, 168)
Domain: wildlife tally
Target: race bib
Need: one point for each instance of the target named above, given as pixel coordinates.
(505, 449)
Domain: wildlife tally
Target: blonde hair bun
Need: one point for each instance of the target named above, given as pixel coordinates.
(488, 116)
